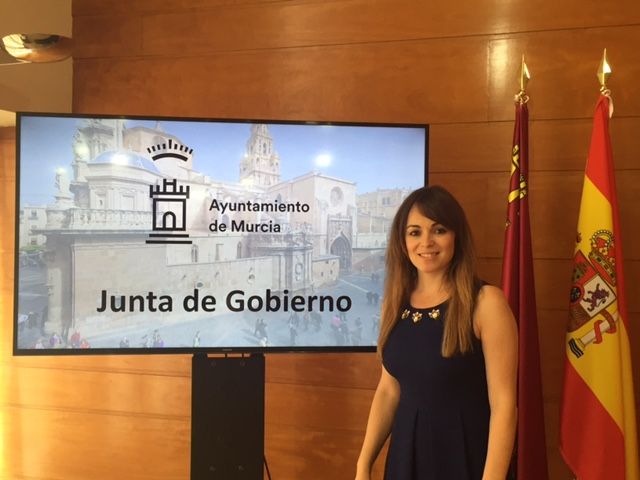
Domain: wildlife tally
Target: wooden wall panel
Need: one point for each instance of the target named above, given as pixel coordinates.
(7, 197)
(7, 152)
(404, 80)
(110, 7)
(453, 65)
(123, 31)
(152, 396)
(173, 29)
(319, 83)
(70, 445)
(119, 393)
(7, 222)
(362, 370)
(317, 407)
(554, 145)
(314, 453)
(167, 365)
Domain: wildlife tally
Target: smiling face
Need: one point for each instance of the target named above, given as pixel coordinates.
(430, 245)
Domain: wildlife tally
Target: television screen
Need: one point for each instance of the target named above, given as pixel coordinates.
(168, 235)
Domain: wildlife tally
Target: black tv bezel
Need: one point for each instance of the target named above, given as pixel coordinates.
(178, 350)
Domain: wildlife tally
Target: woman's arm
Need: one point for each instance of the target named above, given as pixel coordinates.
(498, 333)
(383, 410)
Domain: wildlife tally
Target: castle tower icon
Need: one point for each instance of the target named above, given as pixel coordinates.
(169, 212)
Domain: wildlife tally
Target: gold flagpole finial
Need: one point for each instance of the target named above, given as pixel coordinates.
(522, 96)
(604, 72)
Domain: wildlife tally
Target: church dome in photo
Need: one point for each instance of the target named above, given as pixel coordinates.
(126, 158)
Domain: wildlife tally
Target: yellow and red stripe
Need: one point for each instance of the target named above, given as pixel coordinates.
(598, 434)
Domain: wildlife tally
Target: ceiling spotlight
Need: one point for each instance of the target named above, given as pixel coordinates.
(34, 48)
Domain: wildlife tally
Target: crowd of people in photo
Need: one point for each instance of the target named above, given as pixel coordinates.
(56, 341)
(343, 332)
(344, 328)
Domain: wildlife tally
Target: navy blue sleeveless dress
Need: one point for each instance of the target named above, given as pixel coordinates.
(441, 427)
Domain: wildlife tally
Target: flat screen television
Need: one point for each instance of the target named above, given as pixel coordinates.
(174, 235)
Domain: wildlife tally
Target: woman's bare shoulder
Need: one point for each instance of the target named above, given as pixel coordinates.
(491, 294)
(492, 309)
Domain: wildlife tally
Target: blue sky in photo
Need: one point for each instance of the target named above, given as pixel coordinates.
(371, 156)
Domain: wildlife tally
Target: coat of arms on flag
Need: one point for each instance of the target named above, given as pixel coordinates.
(593, 292)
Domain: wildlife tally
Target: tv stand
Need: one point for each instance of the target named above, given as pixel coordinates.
(227, 417)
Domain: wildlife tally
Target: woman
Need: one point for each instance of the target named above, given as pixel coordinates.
(448, 342)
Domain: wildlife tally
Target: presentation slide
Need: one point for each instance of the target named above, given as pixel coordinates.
(166, 235)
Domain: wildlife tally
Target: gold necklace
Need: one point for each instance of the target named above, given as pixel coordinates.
(433, 313)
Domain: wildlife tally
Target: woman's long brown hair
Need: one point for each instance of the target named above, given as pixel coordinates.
(437, 204)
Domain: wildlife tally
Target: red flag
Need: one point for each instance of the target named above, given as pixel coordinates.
(598, 437)
(518, 286)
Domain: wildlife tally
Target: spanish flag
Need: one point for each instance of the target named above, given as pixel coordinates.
(519, 288)
(598, 437)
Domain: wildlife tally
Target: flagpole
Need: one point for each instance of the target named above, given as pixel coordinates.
(522, 97)
(604, 72)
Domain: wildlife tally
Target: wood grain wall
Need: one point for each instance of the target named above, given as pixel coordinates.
(453, 65)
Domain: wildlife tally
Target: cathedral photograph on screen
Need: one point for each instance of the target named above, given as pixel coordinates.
(136, 235)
